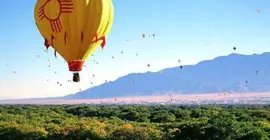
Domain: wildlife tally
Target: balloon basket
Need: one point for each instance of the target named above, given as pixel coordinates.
(76, 77)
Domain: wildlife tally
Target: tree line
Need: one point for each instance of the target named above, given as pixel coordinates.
(134, 122)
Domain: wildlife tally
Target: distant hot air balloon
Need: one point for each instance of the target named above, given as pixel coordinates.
(74, 28)
(143, 35)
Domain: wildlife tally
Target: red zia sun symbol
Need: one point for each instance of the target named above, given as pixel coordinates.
(63, 6)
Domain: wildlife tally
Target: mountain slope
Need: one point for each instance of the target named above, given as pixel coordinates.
(232, 73)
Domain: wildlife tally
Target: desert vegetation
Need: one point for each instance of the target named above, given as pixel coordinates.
(134, 122)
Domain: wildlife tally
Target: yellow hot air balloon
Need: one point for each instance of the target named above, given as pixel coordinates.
(74, 28)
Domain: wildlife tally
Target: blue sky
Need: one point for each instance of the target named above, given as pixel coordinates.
(183, 28)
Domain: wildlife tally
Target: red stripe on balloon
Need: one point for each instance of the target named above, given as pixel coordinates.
(75, 65)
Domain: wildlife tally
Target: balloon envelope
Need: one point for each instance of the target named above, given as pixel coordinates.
(74, 28)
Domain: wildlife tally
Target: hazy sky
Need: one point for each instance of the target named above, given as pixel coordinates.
(183, 28)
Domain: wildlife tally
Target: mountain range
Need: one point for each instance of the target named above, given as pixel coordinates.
(235, 73)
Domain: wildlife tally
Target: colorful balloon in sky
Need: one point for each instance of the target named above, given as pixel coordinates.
(74, 28)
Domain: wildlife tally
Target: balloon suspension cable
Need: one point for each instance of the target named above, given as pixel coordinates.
(76, 77)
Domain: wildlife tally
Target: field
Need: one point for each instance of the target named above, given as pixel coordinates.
(251, 98)
(134, 122)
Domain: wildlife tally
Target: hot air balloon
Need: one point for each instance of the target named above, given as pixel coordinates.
(74, 28)
(143, 35)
